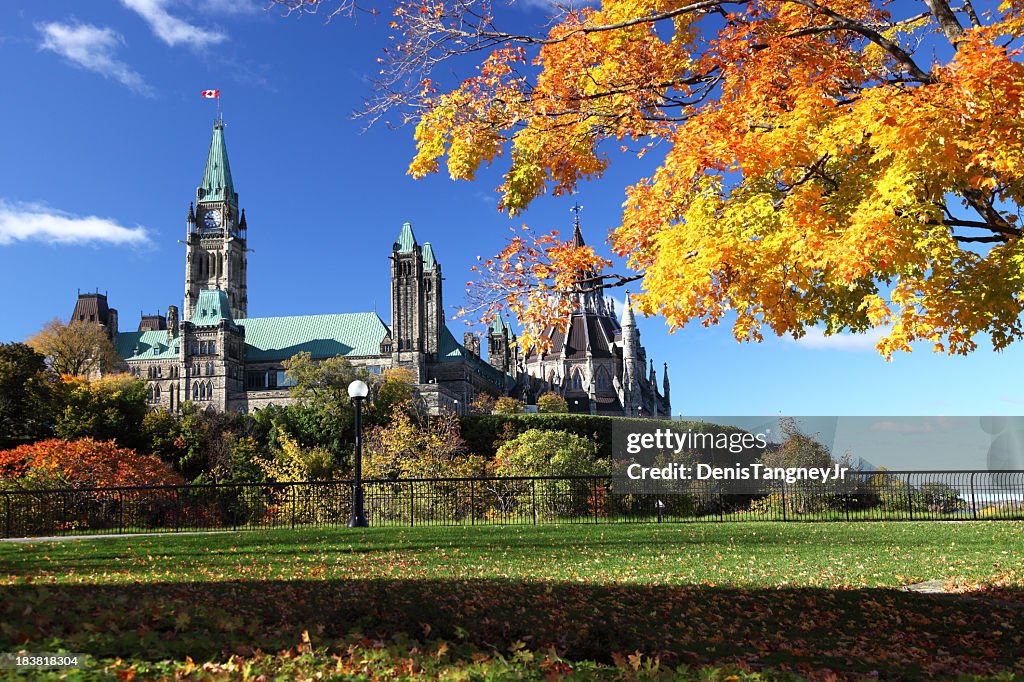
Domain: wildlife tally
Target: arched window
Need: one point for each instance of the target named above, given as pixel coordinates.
(604, 379)
(577, 380)
(195, 392)
(156, 394)
(209, 369)
(213, 348)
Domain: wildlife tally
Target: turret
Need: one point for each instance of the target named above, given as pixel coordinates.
(632, 366)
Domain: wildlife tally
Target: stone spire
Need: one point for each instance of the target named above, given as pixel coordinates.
(664, 385)
(632, 367)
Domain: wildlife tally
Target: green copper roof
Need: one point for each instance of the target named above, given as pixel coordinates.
(406, 239)
(429, 262)
(212, 307)
(322, 336)
(217, 184)
(147, 345)
(498, 326)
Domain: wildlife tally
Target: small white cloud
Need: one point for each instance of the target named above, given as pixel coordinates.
(92, 48)
(817, 339)
(169, 28)
(22, 222)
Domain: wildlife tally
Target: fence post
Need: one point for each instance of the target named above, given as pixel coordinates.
(782, 484)
(120, 510)
(292, 490)
(974, 501)
(177, 509)
(412, 504)
(7, 512)
(472, 502)
(533, 499)
(910, 498)
(593, 487)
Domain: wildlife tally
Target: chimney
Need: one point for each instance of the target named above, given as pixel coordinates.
(172, 322)
(472, 343)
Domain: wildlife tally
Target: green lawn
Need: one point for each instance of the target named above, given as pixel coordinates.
(674, 600)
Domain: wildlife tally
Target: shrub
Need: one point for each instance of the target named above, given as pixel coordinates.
(552, 403)
(549, 453)
(506, 405)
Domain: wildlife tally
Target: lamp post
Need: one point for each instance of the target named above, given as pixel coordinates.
(457, 408)
(357, 391)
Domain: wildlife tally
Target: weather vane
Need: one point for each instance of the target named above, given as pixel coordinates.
(576, 208)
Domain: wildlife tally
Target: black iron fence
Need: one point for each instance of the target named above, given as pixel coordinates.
(861, 496)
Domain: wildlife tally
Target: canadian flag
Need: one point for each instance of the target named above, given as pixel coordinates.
(210, 94)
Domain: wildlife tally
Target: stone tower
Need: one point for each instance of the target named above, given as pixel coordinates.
(433, 305)
(408, 319)
(215, 255)
(501, 346)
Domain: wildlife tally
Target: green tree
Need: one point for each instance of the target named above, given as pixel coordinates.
(77, 349)
(395, 386)
(552, 403)
(109, 408)
(323, 410)
(26, 396)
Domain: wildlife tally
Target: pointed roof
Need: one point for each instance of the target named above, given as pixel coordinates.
(577, 235)
(498, 326)
(406, 241)
(217, 184)
(212, 307)
(429, 261)
(627, 315)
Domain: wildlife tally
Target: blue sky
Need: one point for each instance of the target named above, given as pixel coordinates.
(103, 142)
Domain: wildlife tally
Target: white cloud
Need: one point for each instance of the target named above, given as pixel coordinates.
(169, 28)
(22, 222)
(817, 339)
(92, 48)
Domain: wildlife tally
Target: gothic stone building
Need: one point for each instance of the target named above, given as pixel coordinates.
(212, 353)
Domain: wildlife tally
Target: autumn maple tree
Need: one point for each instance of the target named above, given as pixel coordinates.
(845, 163)
(82, 463)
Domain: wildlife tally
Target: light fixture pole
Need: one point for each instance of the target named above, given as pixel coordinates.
(357, 391)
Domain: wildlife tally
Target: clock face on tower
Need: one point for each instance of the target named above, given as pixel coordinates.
(212, 219)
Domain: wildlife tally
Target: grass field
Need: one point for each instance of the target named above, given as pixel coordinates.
(687, 601)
